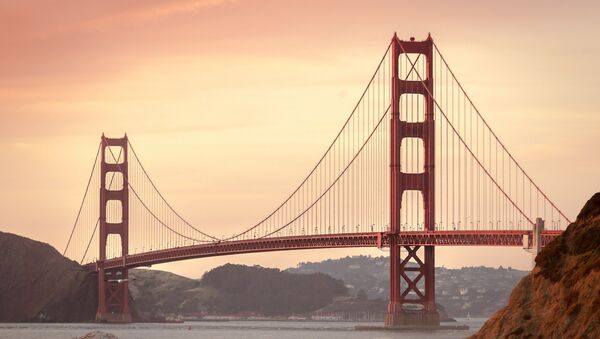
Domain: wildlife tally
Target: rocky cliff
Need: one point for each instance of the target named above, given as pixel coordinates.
(38, 284)
(561, 297)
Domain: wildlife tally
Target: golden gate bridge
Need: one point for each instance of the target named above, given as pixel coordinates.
(414, 166)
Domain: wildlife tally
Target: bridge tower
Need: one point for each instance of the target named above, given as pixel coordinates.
(113, 292)
(406, 287)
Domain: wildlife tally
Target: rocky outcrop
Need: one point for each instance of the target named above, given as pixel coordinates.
(561, 297)
(38, 284)
(98, 335)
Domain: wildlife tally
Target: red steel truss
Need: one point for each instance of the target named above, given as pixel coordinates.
(374, 239)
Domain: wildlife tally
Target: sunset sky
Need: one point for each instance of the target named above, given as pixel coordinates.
(230, 103)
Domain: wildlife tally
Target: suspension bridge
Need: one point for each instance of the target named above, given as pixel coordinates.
(414, 166)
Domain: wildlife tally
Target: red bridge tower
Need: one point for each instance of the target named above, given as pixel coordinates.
(113, 293)
(405, 279)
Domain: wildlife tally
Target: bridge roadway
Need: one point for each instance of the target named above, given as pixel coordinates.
(371, 239)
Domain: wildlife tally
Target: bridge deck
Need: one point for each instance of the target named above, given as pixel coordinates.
(370, 239)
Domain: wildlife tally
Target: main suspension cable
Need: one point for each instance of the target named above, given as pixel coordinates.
(250, 229)
(494, 134)
(83, 200)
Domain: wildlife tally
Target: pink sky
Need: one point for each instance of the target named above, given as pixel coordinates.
(214, 93)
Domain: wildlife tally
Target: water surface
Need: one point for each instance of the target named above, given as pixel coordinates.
(230, 329)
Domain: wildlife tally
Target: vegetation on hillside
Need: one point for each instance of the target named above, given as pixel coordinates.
(233, 289)
(269, 291)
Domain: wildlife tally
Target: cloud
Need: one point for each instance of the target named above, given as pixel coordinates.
(151, 13)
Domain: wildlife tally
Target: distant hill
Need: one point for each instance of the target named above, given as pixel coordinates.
(236, 289)
(233, 289)
(561, 297)
(474, 291)
(38, 284)
(157, 293)
(270, 291)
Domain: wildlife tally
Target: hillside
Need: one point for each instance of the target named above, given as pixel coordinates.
(474, 291)
(561, 297)
(269, 291)
(38, 284)
(158, 292)
(233, 289)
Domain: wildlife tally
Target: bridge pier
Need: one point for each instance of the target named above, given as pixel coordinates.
(412, 287)
(420, 308)
(536, 241)
(113, 296)
(113, 288)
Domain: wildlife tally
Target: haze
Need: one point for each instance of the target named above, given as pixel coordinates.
(230, 103)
